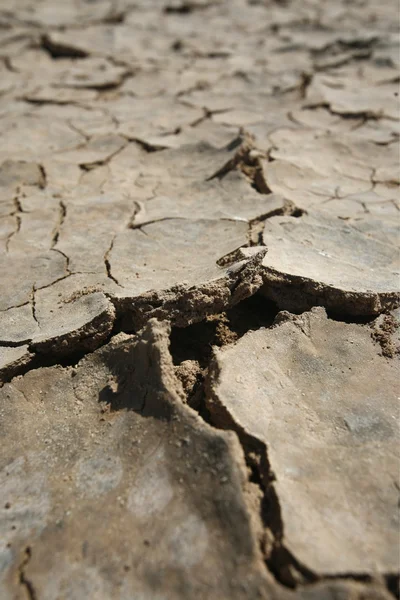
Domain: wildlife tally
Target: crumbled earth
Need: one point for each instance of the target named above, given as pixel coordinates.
(199, 310)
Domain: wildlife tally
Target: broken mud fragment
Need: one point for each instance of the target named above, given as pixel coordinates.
(315, 260)
(189, 302)
(322, 400)
(13, 360)
(81, 325)
(154, 470)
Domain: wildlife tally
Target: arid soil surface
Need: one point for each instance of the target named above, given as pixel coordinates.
(199, 304)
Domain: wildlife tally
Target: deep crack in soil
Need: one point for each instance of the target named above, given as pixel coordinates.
(223, 177)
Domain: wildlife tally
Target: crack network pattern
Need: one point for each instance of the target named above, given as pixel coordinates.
(199, 221)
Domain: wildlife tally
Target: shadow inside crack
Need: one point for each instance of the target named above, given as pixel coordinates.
(191, 347)
(393, 585)
(128, 362)
(195, 342)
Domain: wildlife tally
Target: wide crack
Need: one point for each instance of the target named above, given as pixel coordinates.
(191, 349)
(192, 353)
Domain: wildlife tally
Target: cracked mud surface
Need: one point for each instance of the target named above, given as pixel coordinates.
(199, 310)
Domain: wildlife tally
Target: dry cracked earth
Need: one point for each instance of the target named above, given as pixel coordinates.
(199, 300)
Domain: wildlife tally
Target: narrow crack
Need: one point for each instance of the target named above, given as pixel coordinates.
(85, 136)
(103, 161)
(341, 60)
(7, 62)
(18, 206)
(43, 287)
(185, 8)
(146, 146)
(30, 99)
(24, 581)
(199, 86)
(342, 44)
(33, 304)
(69, 272)
(61, 219)
(256, 225)
(305, 82)
(13, 233)
(207, 113)
(59, 50)
(256, 229)
(135, 211)
(106, 86)
(4, 310)
(133, 225)
(114, 17)
(247, 159)
(107, 262)
(43, 181)
(16, 213)
(366, 115)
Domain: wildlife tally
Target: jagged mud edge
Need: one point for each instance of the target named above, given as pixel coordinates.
(298, 294)
(277, 557)
(87, 338)
(158, 335)
(181, 305)
(20, 365)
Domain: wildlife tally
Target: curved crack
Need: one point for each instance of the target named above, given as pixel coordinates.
(23, 579)
(107, 263)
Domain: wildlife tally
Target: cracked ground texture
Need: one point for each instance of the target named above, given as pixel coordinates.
(199, 309)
